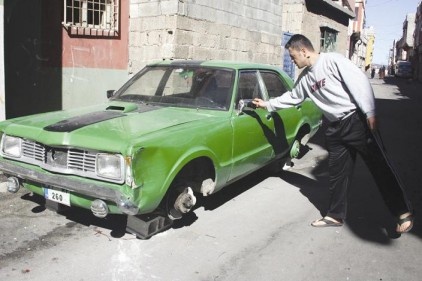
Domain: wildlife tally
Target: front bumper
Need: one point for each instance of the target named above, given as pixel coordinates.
(94, 190)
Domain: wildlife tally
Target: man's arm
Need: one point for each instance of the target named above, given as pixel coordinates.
(286, 100)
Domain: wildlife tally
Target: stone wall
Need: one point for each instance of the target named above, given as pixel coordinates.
(204, 29)
(293, 16)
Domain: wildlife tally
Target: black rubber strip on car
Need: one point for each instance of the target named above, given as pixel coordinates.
(81, 121)
(188, 63)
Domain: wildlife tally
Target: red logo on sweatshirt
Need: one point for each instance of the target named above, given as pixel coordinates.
(318, 85)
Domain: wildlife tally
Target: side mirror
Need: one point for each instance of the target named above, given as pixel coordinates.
(110, 93)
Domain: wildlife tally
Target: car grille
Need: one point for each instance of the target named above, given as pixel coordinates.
(58, 158)
(81, 160)
(33, 150)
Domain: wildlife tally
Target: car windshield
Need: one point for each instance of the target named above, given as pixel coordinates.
(180, 86)
(405, 67)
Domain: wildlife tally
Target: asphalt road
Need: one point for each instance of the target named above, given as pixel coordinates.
(256, 229)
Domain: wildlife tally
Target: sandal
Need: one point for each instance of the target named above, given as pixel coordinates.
(400, 222)
(326, 223)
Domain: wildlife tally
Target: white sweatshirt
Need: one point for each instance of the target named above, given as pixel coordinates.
(336, 86)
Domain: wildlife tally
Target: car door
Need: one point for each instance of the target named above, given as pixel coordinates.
(286, 120)
(253, 130)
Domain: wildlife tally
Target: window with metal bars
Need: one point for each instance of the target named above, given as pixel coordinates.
(328, 39)
(92, 17)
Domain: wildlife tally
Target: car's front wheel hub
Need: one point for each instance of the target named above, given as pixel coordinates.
(183, 204)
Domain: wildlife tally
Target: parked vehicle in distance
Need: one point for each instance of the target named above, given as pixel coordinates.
(174, 131)
(403, 69)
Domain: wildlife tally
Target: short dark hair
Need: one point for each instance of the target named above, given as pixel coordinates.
(299, 41)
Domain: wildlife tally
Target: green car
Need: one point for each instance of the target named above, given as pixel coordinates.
(176, 130)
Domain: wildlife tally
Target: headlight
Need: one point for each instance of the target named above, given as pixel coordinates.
(110, 166)
(11, 146)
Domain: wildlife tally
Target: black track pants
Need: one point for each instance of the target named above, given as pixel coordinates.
(346, 138)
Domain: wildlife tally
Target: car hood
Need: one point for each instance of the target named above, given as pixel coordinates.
(110, 127)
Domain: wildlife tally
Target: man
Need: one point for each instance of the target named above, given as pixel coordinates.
(345, 96)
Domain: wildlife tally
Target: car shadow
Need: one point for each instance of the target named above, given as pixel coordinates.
(115, 223)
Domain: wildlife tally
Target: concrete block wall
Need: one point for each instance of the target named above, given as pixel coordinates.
(293, 16)
(150, 39)
(196, 39)
(204, 29)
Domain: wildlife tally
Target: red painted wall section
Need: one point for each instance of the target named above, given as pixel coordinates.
(107, 52)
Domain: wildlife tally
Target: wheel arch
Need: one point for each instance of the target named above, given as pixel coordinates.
(198, 174)
(196, 169)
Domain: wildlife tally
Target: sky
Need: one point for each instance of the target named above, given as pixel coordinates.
(387, 17)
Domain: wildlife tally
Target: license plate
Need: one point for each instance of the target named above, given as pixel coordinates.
(62, 197)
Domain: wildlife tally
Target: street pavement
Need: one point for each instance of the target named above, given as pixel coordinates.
(256, 229)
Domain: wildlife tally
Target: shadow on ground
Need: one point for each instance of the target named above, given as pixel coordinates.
(400, 123)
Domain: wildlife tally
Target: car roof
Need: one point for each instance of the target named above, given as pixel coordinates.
(217, 63)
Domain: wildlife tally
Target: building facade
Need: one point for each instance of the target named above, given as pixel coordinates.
(370, 35)
(362, 38)
(69, 53)
(324, 22)
(404, 46)
(72, 51)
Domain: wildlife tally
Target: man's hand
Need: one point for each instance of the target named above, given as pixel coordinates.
(259, 103)
(372, 123)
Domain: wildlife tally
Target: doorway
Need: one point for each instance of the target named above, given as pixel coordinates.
(32, 56)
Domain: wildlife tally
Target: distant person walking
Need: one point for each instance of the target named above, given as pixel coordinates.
(382, 72)
(372, 72)
(345, 96)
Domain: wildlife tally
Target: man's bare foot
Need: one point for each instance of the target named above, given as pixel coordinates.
(405, 223)
(327, 221)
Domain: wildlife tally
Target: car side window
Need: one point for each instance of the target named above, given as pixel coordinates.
(216, 87)
(248, 86)
(273, 83)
